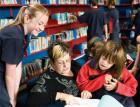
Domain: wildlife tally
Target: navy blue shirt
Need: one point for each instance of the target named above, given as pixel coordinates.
(11, 45)
(11, 51)
(95, 20)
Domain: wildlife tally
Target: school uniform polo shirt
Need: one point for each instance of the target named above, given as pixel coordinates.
(95, 19)
(11, 45)
(11, 52)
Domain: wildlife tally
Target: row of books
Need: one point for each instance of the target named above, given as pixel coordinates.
(32, 2)
(4, 22)
(18, 1)
(8, 1)
(63, 18)
(31, 70)
(37, 44)
(41, 43)
(49, 2)
(64, 1)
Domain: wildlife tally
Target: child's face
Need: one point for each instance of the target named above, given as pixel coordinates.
(104, 63)
(63, 64)
(37, 24)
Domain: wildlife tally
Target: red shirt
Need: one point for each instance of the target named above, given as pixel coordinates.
(127, 85)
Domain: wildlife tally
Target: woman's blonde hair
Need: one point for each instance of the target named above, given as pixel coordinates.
(57, 50)
(32, 12)
(114, 53)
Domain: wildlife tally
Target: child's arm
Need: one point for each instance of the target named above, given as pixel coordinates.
(83, 81)
(127, 86)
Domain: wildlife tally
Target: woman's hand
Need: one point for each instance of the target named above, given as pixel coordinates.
(69, 99)
(13, 103)
(86, 94)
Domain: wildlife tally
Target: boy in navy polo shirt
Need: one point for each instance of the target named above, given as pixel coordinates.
(96, 21)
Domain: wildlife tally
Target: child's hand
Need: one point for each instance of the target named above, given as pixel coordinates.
(112, 85)
(108, 78)
(72, 18)
(86, 94)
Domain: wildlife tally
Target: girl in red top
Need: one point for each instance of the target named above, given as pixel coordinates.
(107, 74)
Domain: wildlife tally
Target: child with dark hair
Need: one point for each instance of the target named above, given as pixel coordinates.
(93, 46)
(107, 74)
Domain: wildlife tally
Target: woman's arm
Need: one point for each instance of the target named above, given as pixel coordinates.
(127, 85)
(18, 78)
(68, 98)
(10, 79)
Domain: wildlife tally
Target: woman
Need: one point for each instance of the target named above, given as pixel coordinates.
(58, 82)
(30, 20)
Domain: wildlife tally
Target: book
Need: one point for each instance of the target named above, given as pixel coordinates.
(105, 101)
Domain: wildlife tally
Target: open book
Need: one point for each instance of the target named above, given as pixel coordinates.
(105, 101)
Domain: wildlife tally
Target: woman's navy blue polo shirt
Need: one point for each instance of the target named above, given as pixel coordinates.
(11, 51)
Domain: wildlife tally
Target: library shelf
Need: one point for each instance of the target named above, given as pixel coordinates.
(56, 28)
(77, 41)
(10, 5)
(67, 8)
(36, 55)
(43, 53)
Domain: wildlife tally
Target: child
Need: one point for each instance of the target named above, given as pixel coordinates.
(107, 74)
(93, 46)
(30, 20)
(96, 20)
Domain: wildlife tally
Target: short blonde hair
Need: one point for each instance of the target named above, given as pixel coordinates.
(57, 50)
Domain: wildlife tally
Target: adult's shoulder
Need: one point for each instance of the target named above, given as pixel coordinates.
(11, 32)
